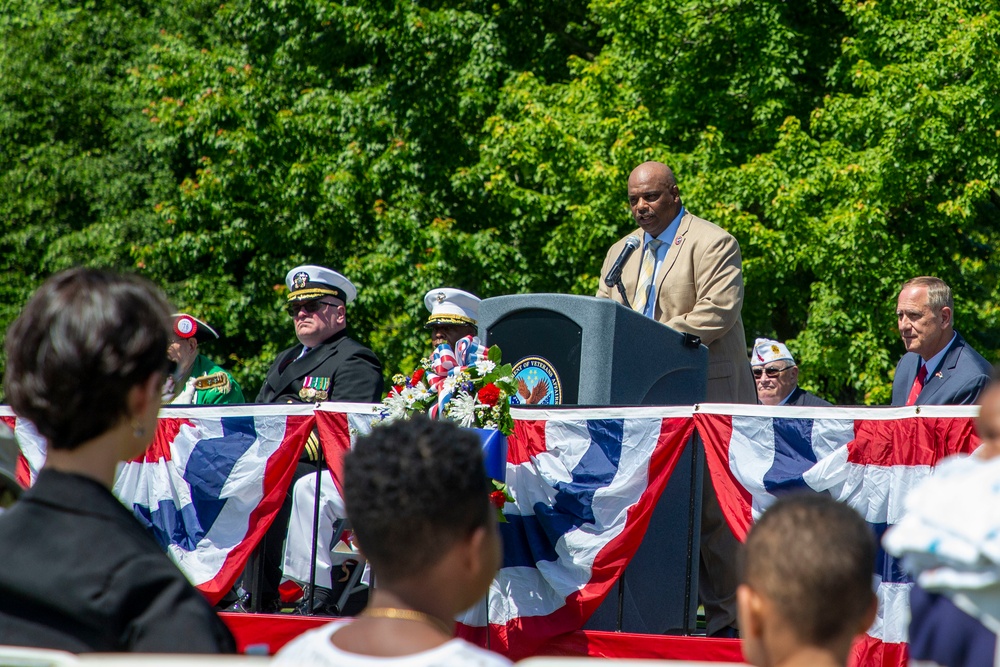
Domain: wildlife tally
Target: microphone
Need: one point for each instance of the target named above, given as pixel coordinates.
(615, 274)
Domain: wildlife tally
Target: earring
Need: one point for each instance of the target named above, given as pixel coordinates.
(138, 430)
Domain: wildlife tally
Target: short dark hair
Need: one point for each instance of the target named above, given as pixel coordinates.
(813, 557)
(83, 340)
(411, 489)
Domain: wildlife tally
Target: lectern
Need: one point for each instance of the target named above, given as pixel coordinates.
(602, 352)
(579, 350)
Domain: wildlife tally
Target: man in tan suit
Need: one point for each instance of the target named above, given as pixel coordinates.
(688, 275)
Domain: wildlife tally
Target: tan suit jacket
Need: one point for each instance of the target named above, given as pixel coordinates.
(699, 290)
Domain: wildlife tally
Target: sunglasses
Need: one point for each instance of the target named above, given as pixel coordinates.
(309, 306)
(770, 372)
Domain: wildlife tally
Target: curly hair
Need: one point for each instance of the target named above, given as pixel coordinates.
(411, 489)
(813, 557)
(83, 340)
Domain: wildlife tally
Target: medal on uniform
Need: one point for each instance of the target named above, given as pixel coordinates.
(314, 389)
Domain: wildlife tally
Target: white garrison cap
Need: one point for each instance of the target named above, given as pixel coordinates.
(451, 306)
(189, 326)
(766, 350)
(308, 282)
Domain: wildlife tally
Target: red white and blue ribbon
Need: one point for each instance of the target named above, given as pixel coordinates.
(447, 363)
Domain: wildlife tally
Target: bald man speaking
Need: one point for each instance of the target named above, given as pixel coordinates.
(688, 274)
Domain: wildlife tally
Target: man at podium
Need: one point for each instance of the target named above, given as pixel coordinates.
(688, 274)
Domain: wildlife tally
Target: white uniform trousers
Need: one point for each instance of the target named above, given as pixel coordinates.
(298, 543)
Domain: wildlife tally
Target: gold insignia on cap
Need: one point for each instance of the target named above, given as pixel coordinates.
(300, 279)
(775, 349)
(440, 297)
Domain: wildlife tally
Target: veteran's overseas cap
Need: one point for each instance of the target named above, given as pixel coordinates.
(766, 350)
(309, 282)
(189, 326)
(451, 306)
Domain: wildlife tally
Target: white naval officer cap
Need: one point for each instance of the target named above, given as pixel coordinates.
(308, 282)
(189, 326)
(766, 350)
(451, 306)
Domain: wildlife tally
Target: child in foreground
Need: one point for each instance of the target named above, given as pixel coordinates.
(807, 584)
(418, 498)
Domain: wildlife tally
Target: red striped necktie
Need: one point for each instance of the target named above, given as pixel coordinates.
(918, 385)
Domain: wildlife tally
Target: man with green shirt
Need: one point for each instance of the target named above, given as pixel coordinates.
(198, 379)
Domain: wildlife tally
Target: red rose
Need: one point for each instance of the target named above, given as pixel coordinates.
(418, 375)
(498, 498)
(398, 388)
(489, 394)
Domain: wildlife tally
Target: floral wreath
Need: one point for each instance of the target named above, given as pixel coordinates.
(467, 385)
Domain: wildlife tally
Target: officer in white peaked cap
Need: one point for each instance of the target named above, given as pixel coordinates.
(454, 315)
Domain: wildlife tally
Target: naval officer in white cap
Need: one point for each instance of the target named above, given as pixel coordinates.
(325, 365)
(777, 376)
(453, 316)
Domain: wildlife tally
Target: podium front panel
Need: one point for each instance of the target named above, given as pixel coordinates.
(545, 334)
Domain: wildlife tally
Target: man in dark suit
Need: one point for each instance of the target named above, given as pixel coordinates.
(325, 365)
(777, 376)
(939, 367)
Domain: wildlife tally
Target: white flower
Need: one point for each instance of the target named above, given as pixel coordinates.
(449, 383)
(462, 409)
(485, 366)
(394, 407)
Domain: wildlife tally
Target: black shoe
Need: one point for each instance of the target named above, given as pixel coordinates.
(323, 604)
(236, 599)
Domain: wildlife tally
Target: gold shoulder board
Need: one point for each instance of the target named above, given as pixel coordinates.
(218, 381)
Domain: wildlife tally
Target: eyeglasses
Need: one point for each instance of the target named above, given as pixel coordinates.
(309, 306)
(770, 372)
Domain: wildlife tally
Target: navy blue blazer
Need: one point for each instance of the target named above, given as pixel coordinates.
(959, 380)
(800, 396)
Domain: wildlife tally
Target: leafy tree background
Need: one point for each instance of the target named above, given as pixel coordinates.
(486, 145)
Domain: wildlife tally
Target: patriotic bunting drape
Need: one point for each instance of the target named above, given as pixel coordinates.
(584, 481)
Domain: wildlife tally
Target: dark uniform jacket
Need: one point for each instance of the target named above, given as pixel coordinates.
(79, 574)
(354, 372)
(800, 396)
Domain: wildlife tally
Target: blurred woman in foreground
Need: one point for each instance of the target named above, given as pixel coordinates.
(85, 364)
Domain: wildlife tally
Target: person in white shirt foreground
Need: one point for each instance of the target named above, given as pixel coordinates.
(418, 497)
(949, 542)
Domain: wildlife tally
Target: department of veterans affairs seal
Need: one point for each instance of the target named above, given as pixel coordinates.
(537, 383)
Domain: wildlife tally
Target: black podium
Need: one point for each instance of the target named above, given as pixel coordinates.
(596, 352)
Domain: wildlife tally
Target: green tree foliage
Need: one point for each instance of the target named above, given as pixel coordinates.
(409, 144)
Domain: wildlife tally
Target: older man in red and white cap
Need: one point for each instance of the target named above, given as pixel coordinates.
(777, 376)
(197, 379)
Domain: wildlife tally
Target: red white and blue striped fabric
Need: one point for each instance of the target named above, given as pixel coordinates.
(866, 458)
(208, 486)
(585, 483)
(211, 482)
